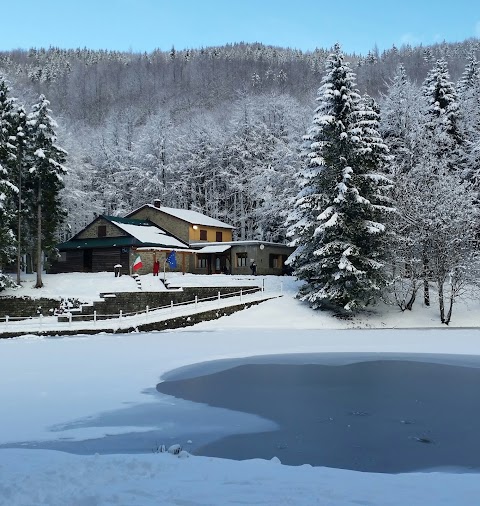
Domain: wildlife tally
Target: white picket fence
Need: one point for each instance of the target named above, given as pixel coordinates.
(127, 320)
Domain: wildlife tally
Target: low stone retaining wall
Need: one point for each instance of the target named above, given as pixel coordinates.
(128, 302)
(171, 323)
(26, 306)
(131, 302)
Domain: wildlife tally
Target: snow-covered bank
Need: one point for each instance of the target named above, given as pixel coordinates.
(58, 479)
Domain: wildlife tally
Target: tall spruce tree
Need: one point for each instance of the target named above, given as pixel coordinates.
(469, 101)
(443, 130)
(338, 220)
(43, 181)
(444, 139)
(7, 161)
(18, 175)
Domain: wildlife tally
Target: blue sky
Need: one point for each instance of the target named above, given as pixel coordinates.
(142, 25)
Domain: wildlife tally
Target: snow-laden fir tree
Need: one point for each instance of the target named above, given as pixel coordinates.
(470, 76)
(338, 223)
(444, 136)
(44, 181)
(469, 102)
(7, 161)
(444, 142)
(18, 174)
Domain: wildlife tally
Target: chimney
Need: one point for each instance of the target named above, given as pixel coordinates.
(157, 203)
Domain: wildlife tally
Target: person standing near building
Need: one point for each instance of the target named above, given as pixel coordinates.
(156, 267)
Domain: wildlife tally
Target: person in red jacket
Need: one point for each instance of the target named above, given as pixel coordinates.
(156, 267)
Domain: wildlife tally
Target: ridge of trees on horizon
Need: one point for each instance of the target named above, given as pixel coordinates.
(219, 130)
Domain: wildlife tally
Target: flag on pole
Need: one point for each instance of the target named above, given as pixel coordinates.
(172, 260)
(137, 264)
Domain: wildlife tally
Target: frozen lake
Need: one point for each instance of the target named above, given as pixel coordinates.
(378, 413)
(369, 412)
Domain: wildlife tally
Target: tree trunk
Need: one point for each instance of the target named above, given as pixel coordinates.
(441, 302)
(242, 216)
(426, 288)
(410, 302)
(39, 283)
(450, 308)
(19, 222)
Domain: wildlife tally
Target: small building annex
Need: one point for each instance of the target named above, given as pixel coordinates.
(236, 257)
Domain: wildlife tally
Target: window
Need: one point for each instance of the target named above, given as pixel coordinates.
(202, 262)
(241, 259)
(63, 256)
(203, 235)
(102, 231)
(274, 262)
(218, 237)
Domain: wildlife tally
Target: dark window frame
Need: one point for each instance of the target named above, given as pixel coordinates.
(274, 261)
(102, 231)
(242, 259)
(203, 234)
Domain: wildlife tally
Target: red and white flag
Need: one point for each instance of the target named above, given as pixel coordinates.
(137, 264)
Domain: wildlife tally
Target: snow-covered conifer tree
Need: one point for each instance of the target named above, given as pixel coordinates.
(444, 134)
(444, 139)
(18, 174)
(338, 220)
(469, 101)
(7, 161)
(44, 180)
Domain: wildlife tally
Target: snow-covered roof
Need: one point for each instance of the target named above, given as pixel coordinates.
(148, 233)
(165, 248)
(240, 243)
(192, 217)
(214, 249)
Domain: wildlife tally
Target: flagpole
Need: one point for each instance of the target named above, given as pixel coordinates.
(164, 264)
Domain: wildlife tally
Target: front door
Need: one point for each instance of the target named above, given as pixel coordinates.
(87, 260)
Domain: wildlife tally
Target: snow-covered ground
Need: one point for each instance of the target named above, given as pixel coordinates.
(87, 286)
(285, 313)
(47, 384)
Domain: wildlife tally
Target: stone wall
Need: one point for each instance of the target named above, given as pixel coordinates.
(175, 226)
(26, 307)
(91, 232)
(131, 302)
(172, 323)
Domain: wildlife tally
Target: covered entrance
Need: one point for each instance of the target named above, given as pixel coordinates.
(214, 259)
